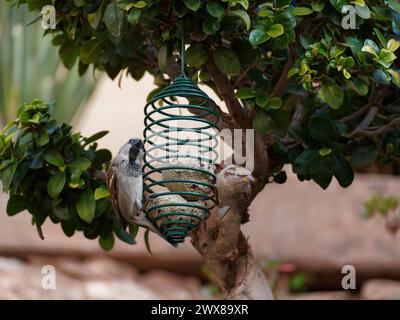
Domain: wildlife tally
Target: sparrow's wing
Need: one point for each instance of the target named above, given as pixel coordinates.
(113, 189)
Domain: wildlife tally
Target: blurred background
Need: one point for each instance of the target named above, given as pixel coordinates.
(301, 244)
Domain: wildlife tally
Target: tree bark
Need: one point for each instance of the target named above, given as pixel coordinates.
(225, 249)
(230, 259)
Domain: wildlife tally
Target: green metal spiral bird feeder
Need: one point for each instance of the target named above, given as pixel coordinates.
(180, 138)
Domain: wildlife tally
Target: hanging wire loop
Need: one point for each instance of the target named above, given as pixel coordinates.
(180, 157)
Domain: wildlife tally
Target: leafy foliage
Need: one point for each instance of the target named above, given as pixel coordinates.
(326, 97)
(30, 68)
(48, 170)
(380, 204)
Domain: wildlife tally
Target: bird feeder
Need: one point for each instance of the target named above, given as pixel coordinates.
(180, 138)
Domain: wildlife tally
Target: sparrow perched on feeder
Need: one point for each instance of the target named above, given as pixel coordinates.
(189, 174)
(234, 186)
(125, 184)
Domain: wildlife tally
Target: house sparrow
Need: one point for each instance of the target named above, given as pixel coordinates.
(169, 216)
(125, 184)
(188, 174)
(234, 186)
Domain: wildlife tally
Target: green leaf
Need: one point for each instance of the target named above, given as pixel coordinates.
(193, 5)
(134, 16)
(395, 75)
(262, 100)
(53, 157)
(210, 25)
(121, 233)
(163, 58)
(245, 93)
(394, 4)
(94, 18)
(325, 151)
(321, 170)
(333, 95)
(227, 61)
(102, 156)
(133, 230)
(69, 54)
(359, 86)
(301, 11)
(140, 4)
(381, 38)
(61, 212)
(322, 130)
(275, 30)
(42, 138)
(317, 6)
(196, 55)
(275, 103)
(101, 192)
(113, 19)
(363, 11)
(393, 45)
(147, 242)
(243, 15)
(86, 205)
(306, 40)
(77, 167)
(338, 4)
(95, 137)
(243, 3)
(215, 10)
(381, 77)
(355, 44)
(337, 50)
(261, 122)
(343, 171)
(79, 3)
(293, 71)
(90, 51)
(258, 36)
(107, 242)
(370, 47)
(363, 156)
(15, 205)
(56, 184)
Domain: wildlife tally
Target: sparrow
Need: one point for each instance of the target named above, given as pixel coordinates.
(125, 184)
(234, 188)
(189, 174)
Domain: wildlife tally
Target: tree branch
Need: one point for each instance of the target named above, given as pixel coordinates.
(365, 122)
(281, 85)
(371, 101)
(371, 133)
(230, 259)
(98, 174)
(226, 91)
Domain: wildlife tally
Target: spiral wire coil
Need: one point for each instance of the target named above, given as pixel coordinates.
(167, 131)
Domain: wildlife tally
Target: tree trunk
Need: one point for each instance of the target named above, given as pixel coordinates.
(229, 257)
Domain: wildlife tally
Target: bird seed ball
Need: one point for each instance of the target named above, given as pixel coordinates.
(187, 174)
(168, 220)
